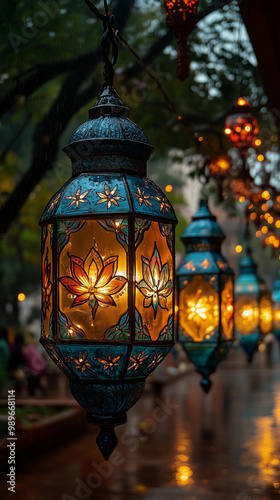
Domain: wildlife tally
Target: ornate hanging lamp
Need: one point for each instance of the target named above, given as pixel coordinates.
(108, 265)
(205, 287)
(242, 127)
(253, 307)
(276, 307)
(181, 20)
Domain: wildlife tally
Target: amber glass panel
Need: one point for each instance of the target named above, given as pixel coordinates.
(276, 316)
(154, 281)
(93, 281)
(199, 309)
(47, 283)
(246, 314)
(227, 309)
(266, 315)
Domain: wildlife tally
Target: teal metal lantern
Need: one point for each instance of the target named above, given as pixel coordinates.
(205, 287)
(276, 307)
(253, 307)
(108, 268)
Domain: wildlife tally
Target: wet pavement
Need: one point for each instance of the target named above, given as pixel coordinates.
(181, 445)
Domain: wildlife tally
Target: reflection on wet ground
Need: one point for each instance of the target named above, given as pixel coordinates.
(181, 445)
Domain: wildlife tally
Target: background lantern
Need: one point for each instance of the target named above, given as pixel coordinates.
(253, 306)
(205, 288)
(181, 20)
(219, 166)
(276, 307)
(108, 266)
(242, 127)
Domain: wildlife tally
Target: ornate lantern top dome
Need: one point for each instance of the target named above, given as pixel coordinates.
(109, 121)
(203, 228)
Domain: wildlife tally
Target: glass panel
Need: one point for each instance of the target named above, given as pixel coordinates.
(154, 283)
(93, 277)
(47, 282)
(95, 362)
(227, 308)
(246, 314)
(266, 314)
(199, 309)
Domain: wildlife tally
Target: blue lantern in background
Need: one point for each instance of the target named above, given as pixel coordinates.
(206, 301)
(108, 268)
(253, 307)
(276, 307)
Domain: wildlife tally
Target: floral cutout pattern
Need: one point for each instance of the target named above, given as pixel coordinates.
(67, 329)
(164, 205)
(81, 362)
(110, 363)
(142, 198)
(54, 202)
(77, 198)
(141, 331)
(119, 227)
(110, 196)
(137, 360)
(46, 285)
(156, 285)
(93, 280)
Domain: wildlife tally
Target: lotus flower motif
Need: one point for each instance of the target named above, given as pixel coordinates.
(93, 280)
(156, 285)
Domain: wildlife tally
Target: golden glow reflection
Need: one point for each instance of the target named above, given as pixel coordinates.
(199, 308)
(246, 314)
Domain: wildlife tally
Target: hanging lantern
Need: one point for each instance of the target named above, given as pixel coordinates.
(253, 307)
(108, 266)
(181, 20)
(276, 307)
(205, 287)
(220, 165)
(242, 127)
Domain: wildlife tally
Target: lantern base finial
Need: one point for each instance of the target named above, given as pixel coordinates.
(107, 439)
(206, 384)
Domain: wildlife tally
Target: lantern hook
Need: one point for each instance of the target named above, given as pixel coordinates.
(108, 40)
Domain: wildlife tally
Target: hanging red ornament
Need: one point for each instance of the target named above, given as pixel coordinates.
(242, 127)
(181, 20)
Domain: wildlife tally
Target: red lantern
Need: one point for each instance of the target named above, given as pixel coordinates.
(242, 127)
(181, 20)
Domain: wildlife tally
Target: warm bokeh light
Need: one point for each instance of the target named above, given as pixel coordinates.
(266, 195)
(220, 165)
(21, 297)
(264, 230)
(168, 188)
(242, 102)
(200, 138)
(258, 234)
(183, 475)
(242, 199)
(227, 131)
(253, 216)
(265, 207)
(260, 158)
(238, 248)
(277, 224)
(270, 219)
(258, 142)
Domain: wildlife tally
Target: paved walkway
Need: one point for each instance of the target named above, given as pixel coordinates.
(184, 445)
